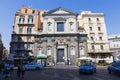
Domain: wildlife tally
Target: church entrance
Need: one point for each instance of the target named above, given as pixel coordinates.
(60, 55)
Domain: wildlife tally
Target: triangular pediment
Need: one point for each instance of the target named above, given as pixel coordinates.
(61, 11)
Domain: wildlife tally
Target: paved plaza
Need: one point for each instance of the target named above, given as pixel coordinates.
(65, 72)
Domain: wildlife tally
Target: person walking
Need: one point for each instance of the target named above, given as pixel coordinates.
(1, 70)
(19, 71)
(23, 71)
(7, 70)
(11, 68)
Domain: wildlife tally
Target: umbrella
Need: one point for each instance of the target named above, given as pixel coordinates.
(41, 56)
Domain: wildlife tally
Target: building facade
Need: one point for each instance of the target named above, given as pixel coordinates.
(3, 50)
(95, 27)
(114, 43)
(61, 34)
(1, 47)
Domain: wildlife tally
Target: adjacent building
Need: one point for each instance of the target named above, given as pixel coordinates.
(97, 42)
(3, 50)
(114, 43)
(60, 34)
(1, 47)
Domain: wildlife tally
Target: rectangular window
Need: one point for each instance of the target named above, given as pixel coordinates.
(33, 11)
(72, 51)
(28, 46)
(101, 47)
(89, 19)
(60, 26)
(19, 39)
(97, 19)
(99, 29)
(21, 20)
(25, 10)
(30, 20)
(82, 38)
(92, 38)
(29, 30)
(28, 38)
(39, 51)
(49, 52)
(20, 30)
(18, 46)
(93, 47)
(100, 38)
(90, 28)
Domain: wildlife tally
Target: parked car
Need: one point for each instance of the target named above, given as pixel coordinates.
(87, 67)
(114, 67)
(33, 66)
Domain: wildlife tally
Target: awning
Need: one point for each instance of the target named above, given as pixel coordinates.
(85, 58)
(41, 56)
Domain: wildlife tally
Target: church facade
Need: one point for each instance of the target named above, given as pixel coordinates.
(60, 39)
(60, 34)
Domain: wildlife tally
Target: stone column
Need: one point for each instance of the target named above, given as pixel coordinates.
(55, 52)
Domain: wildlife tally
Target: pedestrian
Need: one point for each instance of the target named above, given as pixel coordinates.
(7, 69)
(1, 70)
(11, 68)
(19, 71)
(23, 71)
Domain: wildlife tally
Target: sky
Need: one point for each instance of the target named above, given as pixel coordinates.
(111, 9)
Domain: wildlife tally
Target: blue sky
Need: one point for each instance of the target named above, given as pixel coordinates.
(111, 8)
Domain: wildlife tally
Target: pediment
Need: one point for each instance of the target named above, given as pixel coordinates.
(60, 11)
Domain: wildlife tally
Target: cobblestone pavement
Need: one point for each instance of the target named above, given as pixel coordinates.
(62, 72)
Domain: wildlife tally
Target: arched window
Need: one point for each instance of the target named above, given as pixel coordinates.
(30, 19)
(21, 19)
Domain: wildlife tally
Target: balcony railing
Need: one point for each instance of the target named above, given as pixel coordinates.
(99, 51)
(97, 41)
(25, 23)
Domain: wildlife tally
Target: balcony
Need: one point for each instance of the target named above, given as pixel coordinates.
(99, 51)
(97, 41)
(21, 50)
(26, 24)
(92, 32)
(100, 32)
(14, 41)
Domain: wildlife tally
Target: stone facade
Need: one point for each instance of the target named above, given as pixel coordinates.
(61, 34)
(63, 45)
